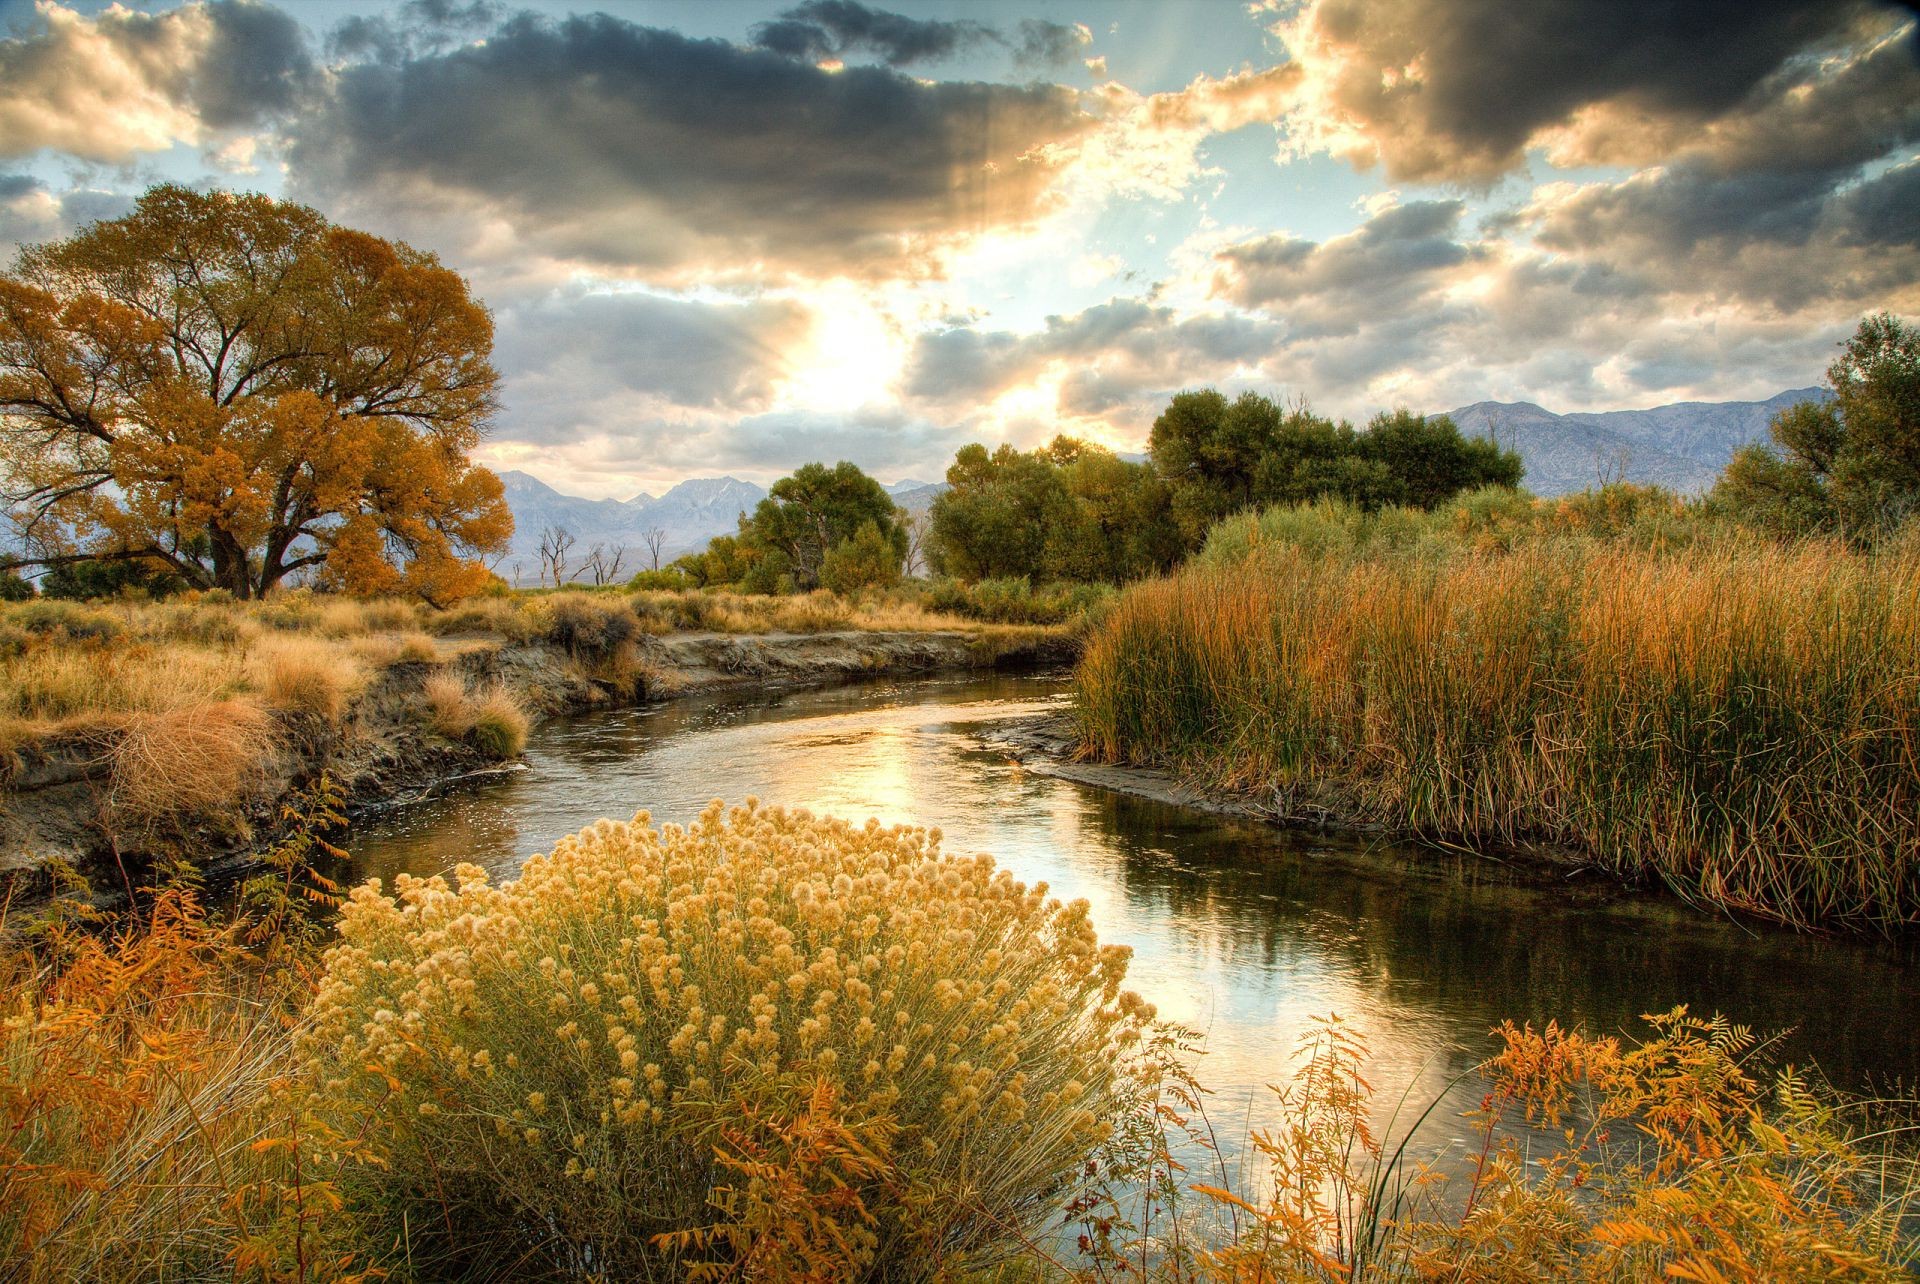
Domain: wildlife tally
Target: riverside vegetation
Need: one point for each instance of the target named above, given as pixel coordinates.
(769, 1046)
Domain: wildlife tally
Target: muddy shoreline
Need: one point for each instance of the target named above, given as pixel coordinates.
(55, 806)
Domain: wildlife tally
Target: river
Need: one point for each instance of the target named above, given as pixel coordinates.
(1240, 931)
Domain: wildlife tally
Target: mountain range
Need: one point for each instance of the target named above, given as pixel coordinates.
(1681, 446)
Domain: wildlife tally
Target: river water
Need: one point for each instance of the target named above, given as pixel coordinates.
(1242, 932)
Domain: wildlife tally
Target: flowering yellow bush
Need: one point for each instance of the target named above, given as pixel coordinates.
(770, 1043)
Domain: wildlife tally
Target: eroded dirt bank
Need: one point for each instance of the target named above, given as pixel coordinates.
(57, 803)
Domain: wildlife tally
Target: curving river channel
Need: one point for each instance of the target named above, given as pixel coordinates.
(1240, 931)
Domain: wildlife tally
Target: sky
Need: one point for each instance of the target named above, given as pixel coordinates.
(723, 237)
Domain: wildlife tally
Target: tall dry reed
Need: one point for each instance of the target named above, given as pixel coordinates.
(1739, 721)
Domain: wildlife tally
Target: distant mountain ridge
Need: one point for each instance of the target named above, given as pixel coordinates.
(1683, 446)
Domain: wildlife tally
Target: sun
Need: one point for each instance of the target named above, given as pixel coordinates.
(852, 357)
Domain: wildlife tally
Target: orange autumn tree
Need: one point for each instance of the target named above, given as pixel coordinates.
(234, 389)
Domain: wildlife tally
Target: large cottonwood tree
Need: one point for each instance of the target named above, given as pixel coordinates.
(235, 388)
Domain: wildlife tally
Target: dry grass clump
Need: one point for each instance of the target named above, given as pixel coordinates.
(307, 675)
(1737, 720)
(775, 1044)
(191, 759)
(490, 718)
(816, 612)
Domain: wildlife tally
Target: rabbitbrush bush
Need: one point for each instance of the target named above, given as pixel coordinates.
(771, 1043)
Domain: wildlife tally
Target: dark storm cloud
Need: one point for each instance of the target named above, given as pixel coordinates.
(1457, 89)
(643, 148)
(257, 66)
(418, 26)
(831, 28)
(1039, 43)
(1791, 240)
(836, 28)
(1121, 351)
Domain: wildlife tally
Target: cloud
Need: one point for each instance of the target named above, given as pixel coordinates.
(831, 28)
(1111, 361)
(580, 363)
(111, 86)
(1457, 90)
(822, 29)
(644, 149)
(1792, 241)
(32, 212)
(1392, 262)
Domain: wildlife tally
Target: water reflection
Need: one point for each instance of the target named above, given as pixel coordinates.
(1240, 931)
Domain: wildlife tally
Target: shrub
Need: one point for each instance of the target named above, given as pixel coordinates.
(15, 589)
(666, 579)
(89, 681)
(448, 712)
(588, 624)
(139, 1134)
(499, 726)
(308, 676)
(765, 1035)
(491, 719)
(865, 560)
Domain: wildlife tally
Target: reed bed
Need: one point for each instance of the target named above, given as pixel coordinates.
(1740, 721)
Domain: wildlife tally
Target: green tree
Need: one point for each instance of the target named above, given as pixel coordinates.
(994, 519)
(1208, 451)
(1425, 460)
(1218, 457)
(1851, 464)
(806, 514)
(232, 388)
(867, 560)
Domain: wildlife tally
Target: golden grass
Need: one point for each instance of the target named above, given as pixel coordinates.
(195, 758)
(307, 675)
(491, 717)
(1741, 722)
(53, 682)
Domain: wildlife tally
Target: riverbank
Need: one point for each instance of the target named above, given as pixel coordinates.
(137, 735)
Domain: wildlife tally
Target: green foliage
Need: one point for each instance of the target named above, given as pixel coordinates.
(1850, 465)
(866, 561)
(78, 581)
(1218, 457)
(1070, 511)
(1017, 600)
(810, 512)
(15, 589)
(669, 579)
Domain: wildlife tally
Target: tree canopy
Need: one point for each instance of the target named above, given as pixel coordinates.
(232, 388)
(1068, 511)
(1218, 457)
(1850, 465)
(786, 542)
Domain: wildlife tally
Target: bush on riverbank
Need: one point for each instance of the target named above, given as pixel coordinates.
(763, 1040)
(1734, 717)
